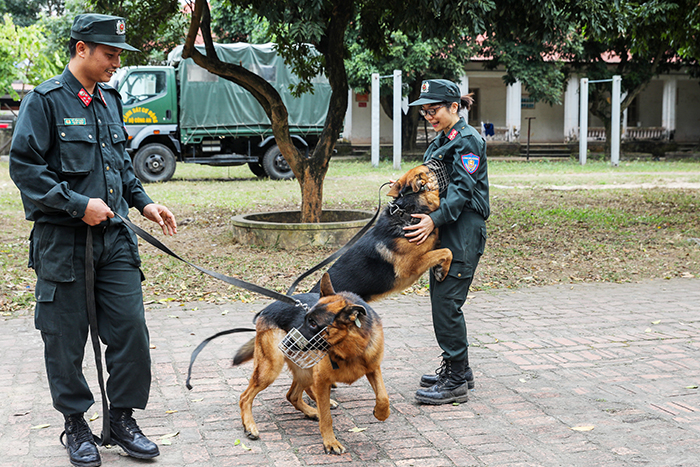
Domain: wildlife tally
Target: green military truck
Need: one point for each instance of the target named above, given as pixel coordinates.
(181, 112)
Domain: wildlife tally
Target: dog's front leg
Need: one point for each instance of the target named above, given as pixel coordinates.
(440, 260)
(323, 402)
(381, 405)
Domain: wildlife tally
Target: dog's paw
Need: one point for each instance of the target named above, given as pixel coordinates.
(439, 273)
(333, 447)
(252, 433)
(334, 404)
(381, 413)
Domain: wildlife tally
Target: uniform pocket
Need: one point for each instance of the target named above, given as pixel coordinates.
(118, 137)
(46, 319)
(52, 252)
(460, 270)
(77, 148)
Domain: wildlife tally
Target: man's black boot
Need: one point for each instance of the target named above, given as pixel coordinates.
(451, 387)
(430, 380)
(127, 434)
(80, 444)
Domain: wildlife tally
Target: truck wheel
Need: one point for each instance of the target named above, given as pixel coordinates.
(257, 169)
(154, 163)
(275, 166)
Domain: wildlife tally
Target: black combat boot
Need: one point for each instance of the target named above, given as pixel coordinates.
(127, 434)
(451, 386)
(429, 380)
(80, 444)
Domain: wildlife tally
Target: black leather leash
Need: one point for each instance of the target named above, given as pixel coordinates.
(92, 318)
(228, 279)
(247, 285)
(203, 344)
(344, 248)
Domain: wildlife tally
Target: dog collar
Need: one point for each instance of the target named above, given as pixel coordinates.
(402, 214)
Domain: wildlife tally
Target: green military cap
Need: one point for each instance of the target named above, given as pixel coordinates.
(101, 29)
(435, 91)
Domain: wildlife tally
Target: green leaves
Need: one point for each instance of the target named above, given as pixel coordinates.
(24, 56)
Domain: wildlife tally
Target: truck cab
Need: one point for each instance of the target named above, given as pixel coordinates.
(149, 97)
(183, 113)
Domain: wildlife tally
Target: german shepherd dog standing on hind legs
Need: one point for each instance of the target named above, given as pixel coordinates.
(382, 262)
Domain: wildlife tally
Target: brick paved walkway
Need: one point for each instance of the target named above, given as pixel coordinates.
(620, 362)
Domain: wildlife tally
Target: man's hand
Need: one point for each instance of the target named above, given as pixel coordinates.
(96, 212)
(161, 216)
(419, 232)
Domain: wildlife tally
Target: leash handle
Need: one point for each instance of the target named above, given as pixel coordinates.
(94, 334)
(344, 248)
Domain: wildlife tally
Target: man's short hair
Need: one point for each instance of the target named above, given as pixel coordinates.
(72, 46)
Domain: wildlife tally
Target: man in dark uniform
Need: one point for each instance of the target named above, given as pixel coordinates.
(464, 208)
(69, 161)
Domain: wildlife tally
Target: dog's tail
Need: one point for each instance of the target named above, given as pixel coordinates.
(245, 353)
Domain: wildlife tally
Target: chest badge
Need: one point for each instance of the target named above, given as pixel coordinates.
(470, 162)
(452, 135)
(74, 121)
(84, 96)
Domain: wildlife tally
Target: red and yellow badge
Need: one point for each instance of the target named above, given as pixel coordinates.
(470, 162)
(84, 96)
(425, 87)
(121, 27)
(452, 135)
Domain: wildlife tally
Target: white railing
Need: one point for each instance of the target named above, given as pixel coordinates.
(645, 133)
(500, 133)
(629, 134)
(596, 134)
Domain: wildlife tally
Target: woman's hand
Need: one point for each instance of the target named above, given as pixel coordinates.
(419, 232)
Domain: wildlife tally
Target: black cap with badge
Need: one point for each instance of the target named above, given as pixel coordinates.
(435, 91)
(101, 29)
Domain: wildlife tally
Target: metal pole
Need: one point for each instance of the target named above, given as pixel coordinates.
(398, 115)
(529, 119)
(375, 119)
(615, 123)
(583, 122)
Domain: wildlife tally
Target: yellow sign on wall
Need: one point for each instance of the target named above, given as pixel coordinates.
(140, 115)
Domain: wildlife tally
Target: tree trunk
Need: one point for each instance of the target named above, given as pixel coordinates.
(310, 172)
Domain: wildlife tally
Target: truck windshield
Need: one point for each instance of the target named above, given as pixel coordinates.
(141, 86)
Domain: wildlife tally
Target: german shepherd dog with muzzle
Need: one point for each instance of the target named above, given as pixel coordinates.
(355, 339)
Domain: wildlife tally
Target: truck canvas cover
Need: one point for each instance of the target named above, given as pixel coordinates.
(219, 107)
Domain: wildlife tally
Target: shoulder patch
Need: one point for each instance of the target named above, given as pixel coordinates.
(470, 162)
(48, 86)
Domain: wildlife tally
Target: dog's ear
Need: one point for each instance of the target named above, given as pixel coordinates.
(417, 183)
(350, 314)
(395, 190)
(326, 286)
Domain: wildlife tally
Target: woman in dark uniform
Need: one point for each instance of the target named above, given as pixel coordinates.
(464, 208)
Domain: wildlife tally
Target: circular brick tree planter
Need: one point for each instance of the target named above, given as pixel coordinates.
(284, 230)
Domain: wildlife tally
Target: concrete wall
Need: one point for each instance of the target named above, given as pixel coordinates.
(688, 114)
